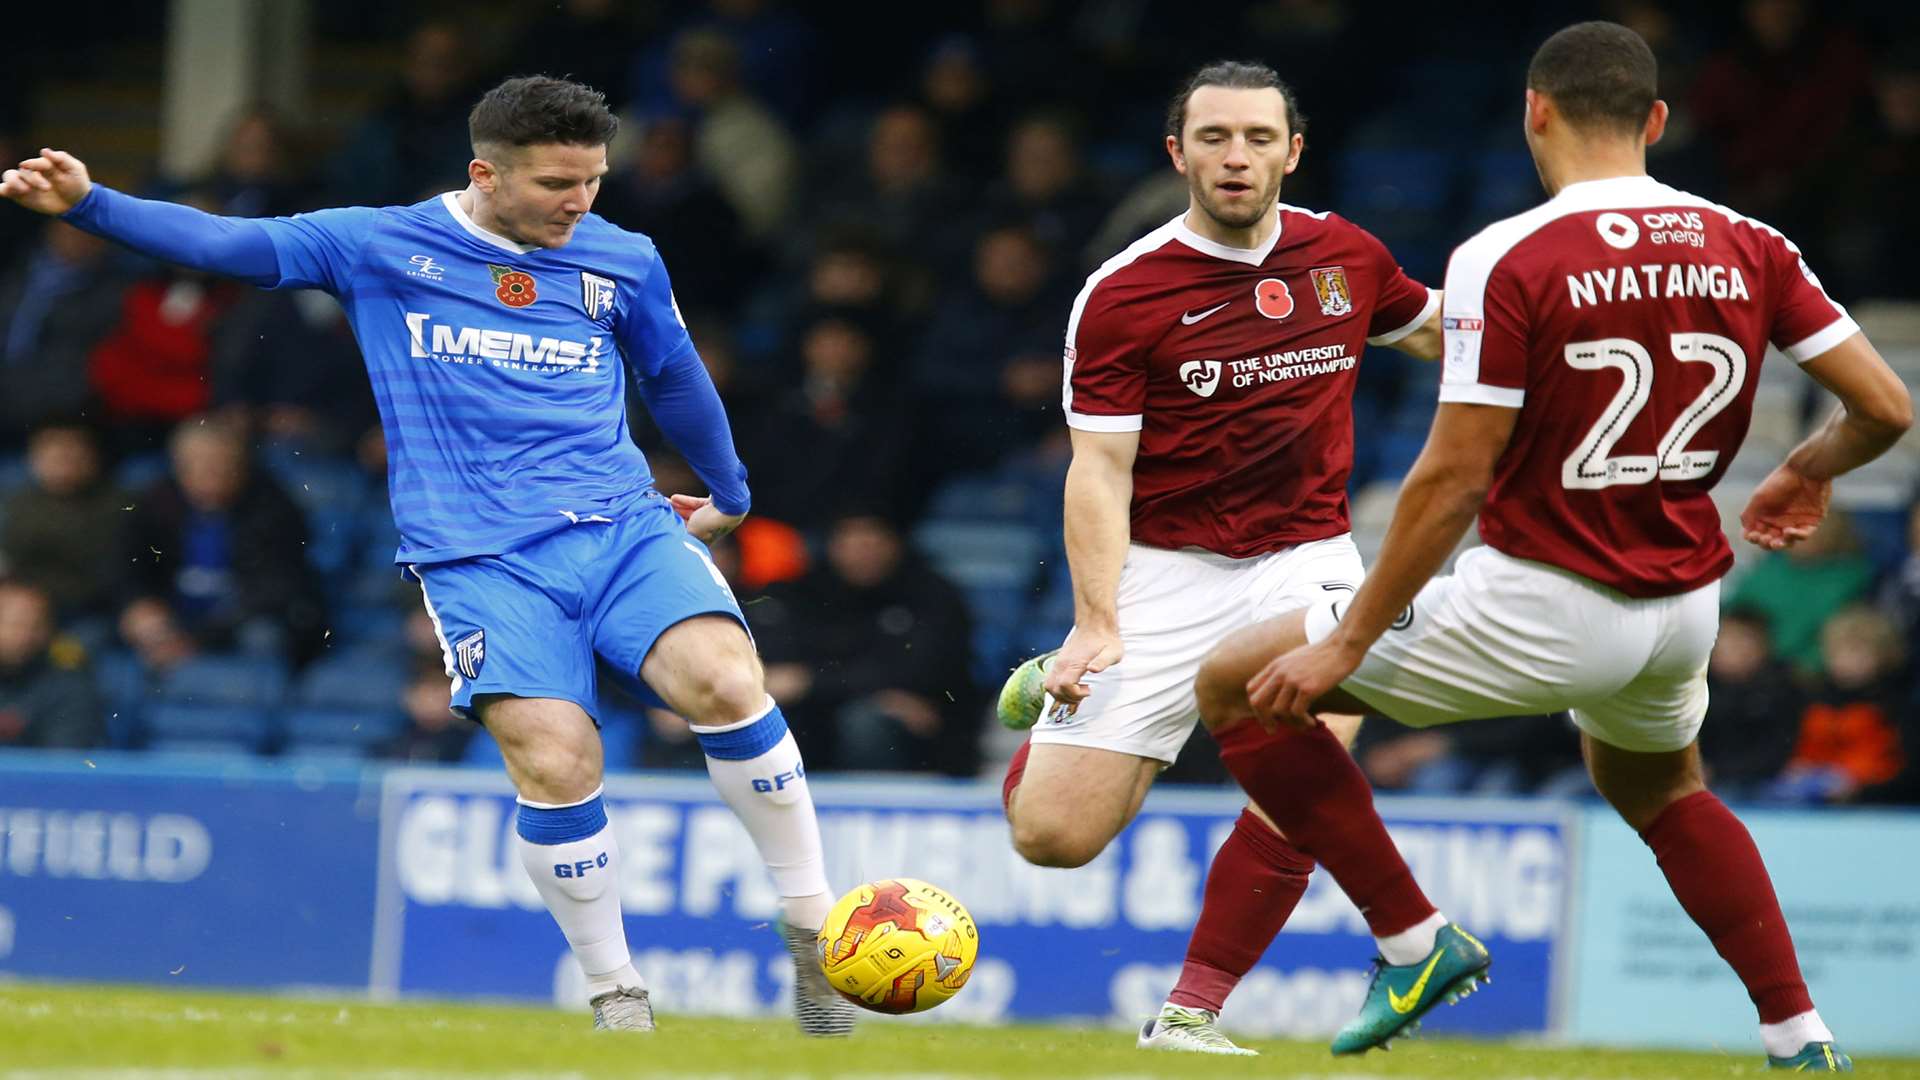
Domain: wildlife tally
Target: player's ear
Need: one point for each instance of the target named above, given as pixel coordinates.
(1173, 151)
(483, 175)
(1538, 109)
(1296, 146)
(1656, 122)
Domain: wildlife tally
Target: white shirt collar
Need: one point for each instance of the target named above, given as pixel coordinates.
(1251, 256)
(451, 200)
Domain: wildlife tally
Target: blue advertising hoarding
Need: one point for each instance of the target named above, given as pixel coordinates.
(456, 914)
(120, 868)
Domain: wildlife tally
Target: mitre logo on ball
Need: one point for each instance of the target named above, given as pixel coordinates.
(1201, 376)
(1273, 298)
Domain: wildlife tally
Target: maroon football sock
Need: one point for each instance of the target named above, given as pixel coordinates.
(1716, 874)
(1308, 784)
(1016, 769)
(1254, 882)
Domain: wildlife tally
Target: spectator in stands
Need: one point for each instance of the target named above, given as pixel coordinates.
(157, 640)
(1786, 79)
(904, 195)
(660, 191)
(1499, 757)
(991, 354)
(1753, 707)
(46, 696)
(1857, 735)
(869, 653)
(411, 147)
(847, 414)
(1900, 592)
(956, 92)
(1798, 589)
(1871, 210)
(1046, 183)
(737, 140)
(65, 532)
(154, 368)
(287, 362)
(51, 303)
(257, 172)
(434, 733)
(223, 547)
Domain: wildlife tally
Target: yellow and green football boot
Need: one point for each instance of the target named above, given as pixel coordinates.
(1402, 993)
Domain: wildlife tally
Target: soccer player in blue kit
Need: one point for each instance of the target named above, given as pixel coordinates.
(500, 325)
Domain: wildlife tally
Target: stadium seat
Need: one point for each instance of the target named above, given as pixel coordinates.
(123, 687)
(1505, 182)
(350, 702)
(137, 474)
(994, 497)
(226, 700)
(978, 555)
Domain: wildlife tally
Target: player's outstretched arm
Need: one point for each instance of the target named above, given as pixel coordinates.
(1424, 343)
(56, 182)
(1099, 497)
(1875, 411)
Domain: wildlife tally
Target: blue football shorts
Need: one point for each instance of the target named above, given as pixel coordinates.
(530, 622)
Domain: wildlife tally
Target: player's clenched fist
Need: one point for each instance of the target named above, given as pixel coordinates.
(52, 183)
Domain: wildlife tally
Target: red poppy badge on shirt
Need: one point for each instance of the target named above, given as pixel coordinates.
(513, 288)
(1273, 298)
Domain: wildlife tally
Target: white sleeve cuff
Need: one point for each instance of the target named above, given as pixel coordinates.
(1426, 312)
(1482, 394)
(1836, 332)
(1102, 423)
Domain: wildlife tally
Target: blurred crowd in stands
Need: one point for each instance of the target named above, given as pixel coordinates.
(876, 250)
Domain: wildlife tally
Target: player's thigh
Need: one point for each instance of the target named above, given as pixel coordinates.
(662, 612)
(1173, 606)
(1073, 800)
(1661, 708)
(551, 747)
(1498, 637)
(505, 627)
(1221, 687)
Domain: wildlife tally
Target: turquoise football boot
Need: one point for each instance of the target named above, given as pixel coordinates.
(1401, 994)
(1813, 1057)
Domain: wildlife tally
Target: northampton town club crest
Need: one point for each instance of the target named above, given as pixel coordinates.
(513, 288)
(1330, 285)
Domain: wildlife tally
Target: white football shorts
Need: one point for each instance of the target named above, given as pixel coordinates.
(1502, 636)
(1174, 607)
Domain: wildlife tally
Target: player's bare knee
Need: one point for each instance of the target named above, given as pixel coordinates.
(1221, 697)
(729, 691)
(1053, 845)
(556, 774)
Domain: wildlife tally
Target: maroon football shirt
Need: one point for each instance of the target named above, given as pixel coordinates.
(1237, 368)
(1626, 320)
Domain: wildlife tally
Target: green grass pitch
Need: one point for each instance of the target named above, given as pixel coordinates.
(112, 1033)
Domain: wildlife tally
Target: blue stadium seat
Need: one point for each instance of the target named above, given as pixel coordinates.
(138, 473)
(1376, 180)
(347, 703)
(224, 700)
(978, 497)
(123, 687)
(1505, 182)
(983, 554)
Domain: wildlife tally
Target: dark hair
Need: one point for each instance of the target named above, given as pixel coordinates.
(1599, 74)
(537, 109)
(1234, 75)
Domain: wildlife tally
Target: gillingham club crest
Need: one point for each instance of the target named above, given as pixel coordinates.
(514, 288)
(1330, 286)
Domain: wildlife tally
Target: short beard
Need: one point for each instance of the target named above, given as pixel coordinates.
(1232, 219)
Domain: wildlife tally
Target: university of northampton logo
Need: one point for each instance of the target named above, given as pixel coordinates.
(1330, 285)
(513, 288)
(1201, 376)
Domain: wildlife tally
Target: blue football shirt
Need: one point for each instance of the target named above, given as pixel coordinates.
(499, 368)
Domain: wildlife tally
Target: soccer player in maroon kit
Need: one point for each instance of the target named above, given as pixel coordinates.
(1210, 371)
(1602, 352)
